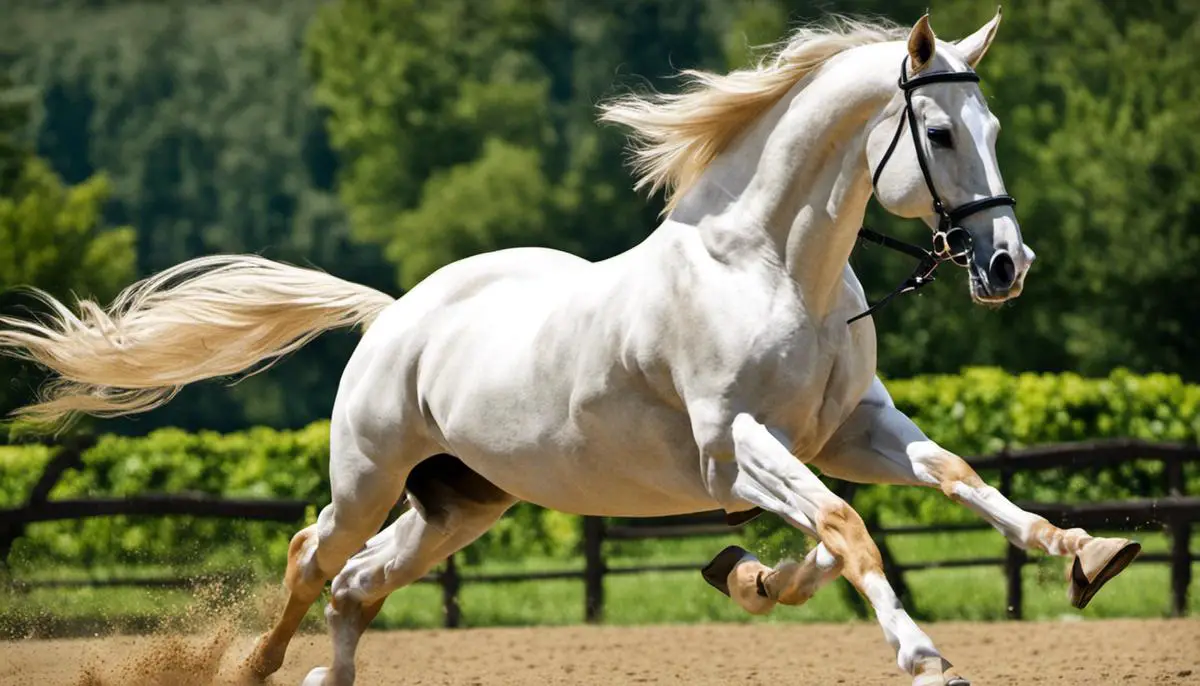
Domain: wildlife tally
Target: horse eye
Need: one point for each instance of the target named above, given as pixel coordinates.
(940, 137)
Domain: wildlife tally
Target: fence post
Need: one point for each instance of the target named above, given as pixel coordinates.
(1181, 565)
(1006, 474)
(593, 570)
(1014, 558)
(69, 456)
(1181, 538)
(451, 582)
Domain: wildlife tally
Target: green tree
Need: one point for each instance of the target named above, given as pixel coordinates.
(200, 114)
(465, 127)
(439, 110)
(448, 128)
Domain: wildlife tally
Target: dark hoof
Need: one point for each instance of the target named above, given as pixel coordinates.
(1085, 585)
(716, 573)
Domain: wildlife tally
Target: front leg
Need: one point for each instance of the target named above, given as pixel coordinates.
(879, 444)
(763, 473)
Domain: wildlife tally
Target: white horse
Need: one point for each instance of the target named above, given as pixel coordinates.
(702, 369)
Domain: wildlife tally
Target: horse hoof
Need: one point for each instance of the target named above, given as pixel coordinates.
(1098, 561)
(948, 680)
(937, 671)
(260, 663)
(716, 573)
(316, 677)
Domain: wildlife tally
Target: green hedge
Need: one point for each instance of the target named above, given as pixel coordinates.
(260, 463)
(976, 412)
(982, 410)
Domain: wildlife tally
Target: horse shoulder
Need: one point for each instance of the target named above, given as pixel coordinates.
(769, 359)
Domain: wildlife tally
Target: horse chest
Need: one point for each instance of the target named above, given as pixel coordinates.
(812, 384)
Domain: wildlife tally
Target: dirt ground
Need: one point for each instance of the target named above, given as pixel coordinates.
(1128, 652)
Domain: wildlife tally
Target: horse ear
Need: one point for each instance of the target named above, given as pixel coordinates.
(921, 45)
(975, 45)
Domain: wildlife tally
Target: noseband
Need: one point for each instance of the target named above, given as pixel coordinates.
(951, 242)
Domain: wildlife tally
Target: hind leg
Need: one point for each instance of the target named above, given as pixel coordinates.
(453, 506)
(364, 491)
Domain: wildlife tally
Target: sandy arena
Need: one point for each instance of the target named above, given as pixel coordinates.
(1127, 652)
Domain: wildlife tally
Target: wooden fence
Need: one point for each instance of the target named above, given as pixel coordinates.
(1177, 512)
(39, 508)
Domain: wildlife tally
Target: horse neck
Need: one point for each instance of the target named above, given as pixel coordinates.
(796, 185)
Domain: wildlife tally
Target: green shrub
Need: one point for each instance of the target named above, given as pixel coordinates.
(260, 463)
(977, 412)
(20, 467)
(983, 410)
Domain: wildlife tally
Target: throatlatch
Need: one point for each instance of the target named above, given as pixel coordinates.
(950, 241)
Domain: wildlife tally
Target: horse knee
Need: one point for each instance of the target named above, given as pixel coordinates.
(342, 529)
(365, 578)
(845, 535)
(948, 472)
(410, 548)
(303, 576)
(321, 551)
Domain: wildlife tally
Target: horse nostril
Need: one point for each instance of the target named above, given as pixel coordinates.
(1002, 272)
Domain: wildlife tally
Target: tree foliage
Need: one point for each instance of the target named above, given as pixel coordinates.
(200, 115)
(382, 140)
(439, 110)
(466, 127)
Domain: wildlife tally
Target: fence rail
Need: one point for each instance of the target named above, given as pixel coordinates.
(1178, 512)
(157, 504)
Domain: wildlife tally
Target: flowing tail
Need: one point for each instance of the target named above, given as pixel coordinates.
(211, 316)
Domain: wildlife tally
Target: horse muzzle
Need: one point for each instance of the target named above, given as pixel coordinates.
(1001, 277)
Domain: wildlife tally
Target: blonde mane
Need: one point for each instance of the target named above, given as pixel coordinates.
(674, 137)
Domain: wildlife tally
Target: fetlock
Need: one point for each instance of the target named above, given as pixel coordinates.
(747, 586)
(928, 670)
(264, 660)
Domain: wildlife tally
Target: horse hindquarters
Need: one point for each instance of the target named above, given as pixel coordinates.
(376, 440)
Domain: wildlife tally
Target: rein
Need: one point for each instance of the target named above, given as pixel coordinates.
(950, 242)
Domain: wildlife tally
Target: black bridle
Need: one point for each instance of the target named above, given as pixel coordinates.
(951, 242)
